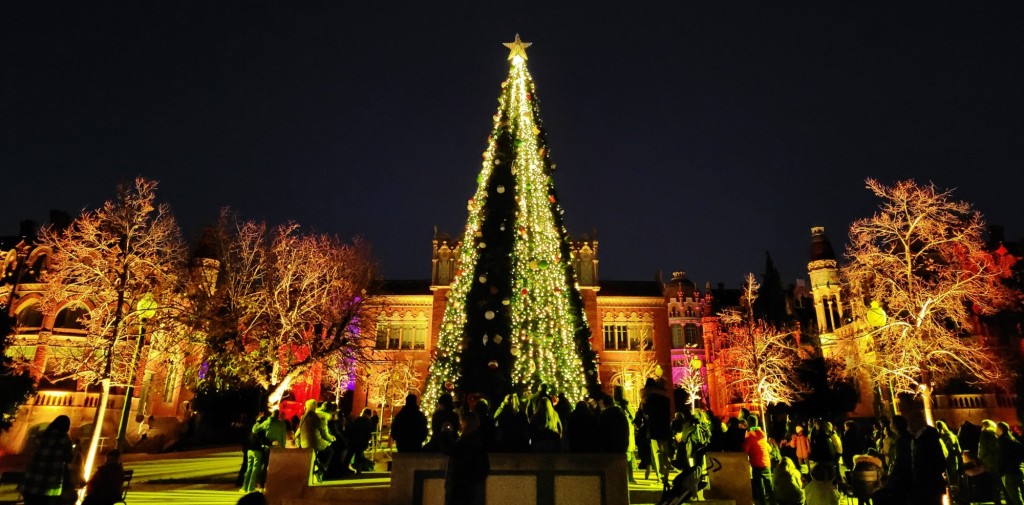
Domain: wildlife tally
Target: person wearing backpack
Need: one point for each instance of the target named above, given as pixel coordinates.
(256, 452)
(823, 447)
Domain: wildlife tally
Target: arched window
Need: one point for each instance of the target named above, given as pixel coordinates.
(30, 317)
(71, 318)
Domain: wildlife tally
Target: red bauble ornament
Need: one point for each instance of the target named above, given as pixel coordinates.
(551, 198)
(524, 292)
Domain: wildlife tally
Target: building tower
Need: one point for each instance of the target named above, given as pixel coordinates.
(825, 286)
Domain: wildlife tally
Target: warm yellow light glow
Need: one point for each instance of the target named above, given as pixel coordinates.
(542, 320)
(517, 50)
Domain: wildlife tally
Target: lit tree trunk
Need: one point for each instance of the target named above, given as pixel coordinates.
(926, 396)
(94, 440)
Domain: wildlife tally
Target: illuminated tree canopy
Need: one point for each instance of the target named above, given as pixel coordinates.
(759, 361)
(284, 302)
(922, 256)
(514, 317)
(102, 266)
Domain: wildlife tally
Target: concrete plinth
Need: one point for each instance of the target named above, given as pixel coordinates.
(729, 477)
(518, 479)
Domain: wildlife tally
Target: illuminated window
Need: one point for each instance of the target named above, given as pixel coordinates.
(627, 337)
(401, 334)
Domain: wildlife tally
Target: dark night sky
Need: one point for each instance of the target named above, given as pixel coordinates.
(690, 136)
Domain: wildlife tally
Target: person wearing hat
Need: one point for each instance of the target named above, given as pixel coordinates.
(409, 428)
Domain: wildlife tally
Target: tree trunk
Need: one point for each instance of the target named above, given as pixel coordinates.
(97, 429)
(926, 396)
(278, 391)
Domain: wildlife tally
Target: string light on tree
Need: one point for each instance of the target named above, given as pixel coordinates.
(513, 277)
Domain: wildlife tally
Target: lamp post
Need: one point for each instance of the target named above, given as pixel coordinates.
(146, 309)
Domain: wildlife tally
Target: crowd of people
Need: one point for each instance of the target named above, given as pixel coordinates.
(901, 460)
(339, 443)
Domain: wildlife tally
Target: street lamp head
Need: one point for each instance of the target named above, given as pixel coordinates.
(146, 307)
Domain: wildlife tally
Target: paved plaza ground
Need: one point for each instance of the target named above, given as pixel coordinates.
(207, 477)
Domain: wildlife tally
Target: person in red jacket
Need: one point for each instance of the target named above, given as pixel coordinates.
(755, 444)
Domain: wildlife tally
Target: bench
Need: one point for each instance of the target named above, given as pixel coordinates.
(126, 484)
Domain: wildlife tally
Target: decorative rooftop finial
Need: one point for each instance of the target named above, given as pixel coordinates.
(517, 48)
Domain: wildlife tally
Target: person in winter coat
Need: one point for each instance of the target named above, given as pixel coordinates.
(825, 448)
(613, 429)
(643, 442)
(928, 461)
(853, 443)
(657, 407)
(510, 425)
(951, 444)
(409, 428)
(360, 434)
(759, 453)
(968, 436)
(545, 428)
(735, 433)
(104, 488)
(313, 434)
(619, 396)
(1011, 457)
(44, 477)
(988, 453)
(900, 477)
(465, 480)
(802, 445)
(585, 434)
(789, 489)
(256, 452)
(444, 424)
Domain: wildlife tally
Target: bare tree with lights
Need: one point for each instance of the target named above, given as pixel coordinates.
(284, 302)
(633, 373)
(759, 360)
(922, 257)
(113, 265)
(692, 383)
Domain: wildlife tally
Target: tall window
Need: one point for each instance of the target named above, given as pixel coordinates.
(694, 336)
(399, 334)
(628, 333)
(170, 381)
(677, 337)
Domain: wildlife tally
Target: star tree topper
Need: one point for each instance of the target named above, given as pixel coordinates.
(517, 48)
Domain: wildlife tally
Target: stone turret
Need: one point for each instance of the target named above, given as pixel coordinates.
(825, 285)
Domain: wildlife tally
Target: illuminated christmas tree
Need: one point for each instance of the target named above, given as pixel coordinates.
(514, 317)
